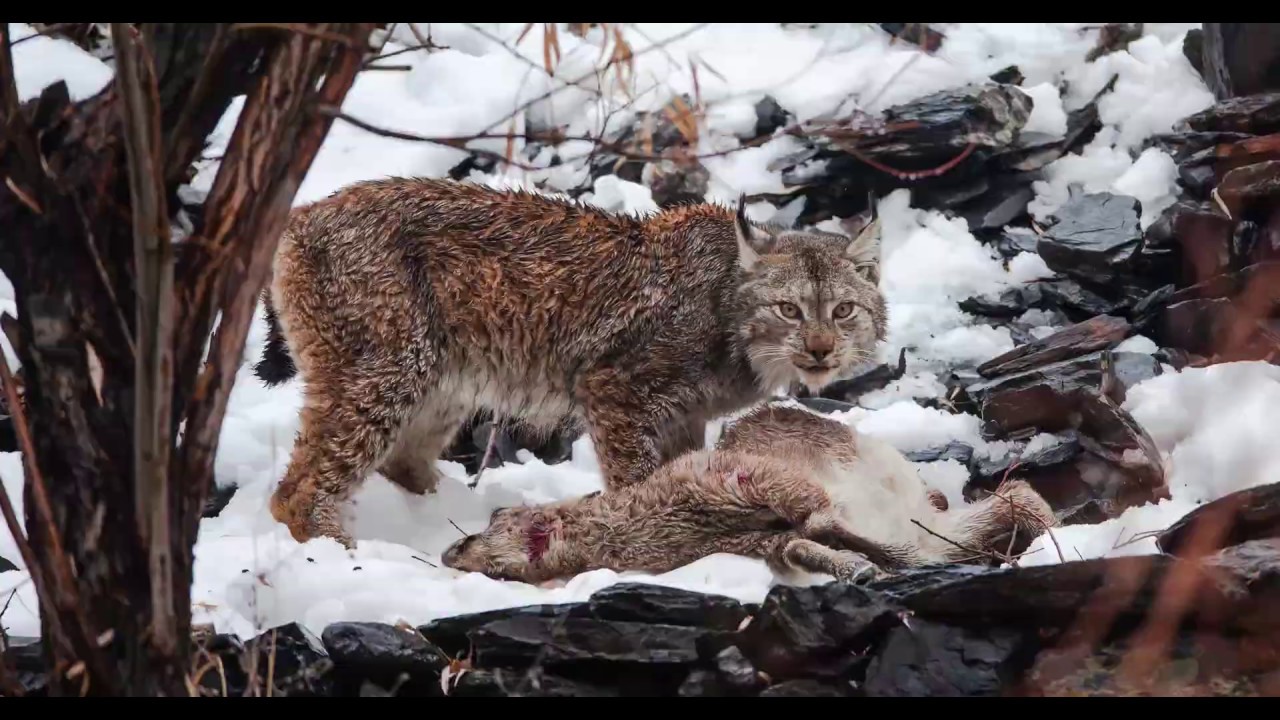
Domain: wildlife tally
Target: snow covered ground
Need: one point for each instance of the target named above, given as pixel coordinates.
(1210, 424)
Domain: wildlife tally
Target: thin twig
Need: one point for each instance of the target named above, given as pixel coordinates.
(455, 527)
(978, 553)
(1043, 526)
(488, 452)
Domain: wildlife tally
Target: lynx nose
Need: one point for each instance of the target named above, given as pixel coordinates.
(820, 346)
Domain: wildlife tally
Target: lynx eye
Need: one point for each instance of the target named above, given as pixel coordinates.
(789, 311)
(842, 311)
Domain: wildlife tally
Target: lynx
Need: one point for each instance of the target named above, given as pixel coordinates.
(798, 490)
(408, 304)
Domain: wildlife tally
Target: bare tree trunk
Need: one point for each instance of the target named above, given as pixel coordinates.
(113, 316)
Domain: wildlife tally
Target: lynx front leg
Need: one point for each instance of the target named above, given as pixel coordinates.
(630, 416)
(347, 427)
(843, 565)
(829, 528)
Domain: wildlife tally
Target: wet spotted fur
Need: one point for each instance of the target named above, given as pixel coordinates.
(406, 305)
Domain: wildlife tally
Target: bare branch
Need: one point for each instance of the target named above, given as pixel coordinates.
(153, 370)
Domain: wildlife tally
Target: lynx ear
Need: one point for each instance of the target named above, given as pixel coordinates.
(749, 237)
(864, 250)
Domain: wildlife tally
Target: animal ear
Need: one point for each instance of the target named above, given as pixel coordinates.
(751, 239)
(864, 251)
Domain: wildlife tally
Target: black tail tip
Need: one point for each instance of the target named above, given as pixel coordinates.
(276, 367)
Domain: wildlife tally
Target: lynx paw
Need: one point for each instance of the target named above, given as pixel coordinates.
(857, 570)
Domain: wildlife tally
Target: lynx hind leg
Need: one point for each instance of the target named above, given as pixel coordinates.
(411, 461)
(987, 523)
(346, 429)
(843, 565)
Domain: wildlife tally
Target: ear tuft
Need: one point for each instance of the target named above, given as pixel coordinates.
(748, 257)
(864, 250)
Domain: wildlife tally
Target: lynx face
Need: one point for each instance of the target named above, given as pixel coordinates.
(812, 301)
(508, 548)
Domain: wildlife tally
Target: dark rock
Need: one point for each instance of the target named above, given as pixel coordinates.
(450, 634)
(1153, 303)
(1114, 37)
(528, 640)
(219, 498)
(814, 631)
(770, 116)
(823, 405)
(1199, 179)
(1044, 398)
(1251, 189)
(1055, 596)
(24, 659)
(1008, 76)
(1242, 516)
(990, 116)
(1015, 241)
(1076, 300)
(675, 183)
(1028, 154)
(920, 34)
(989, 473)
(1109, 432)
(1256, 565)
(1085, 122)
(737, 672)
(1193, 49)
(957, 194)
(864, 381)
(1094, 239)
(1185, 144)
(382, 654)
(1102, 332)
(1081, 485)
(299, 665)
(702, 683)
(649, 130)
(954, 450)
(534, 682)
(998, 208)
(1203, 235)
(925, 659)
(959, 129)
(1260, 276)
(1240, 58)
(804, 688)
(1010, 303)
(1193, 664)
(1194, 325)
(5, 565)
(1253, 114)
(637, 602)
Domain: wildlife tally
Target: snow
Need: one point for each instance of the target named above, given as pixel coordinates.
(1210, 424)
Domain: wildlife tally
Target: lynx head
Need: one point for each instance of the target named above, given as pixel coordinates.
(510, 548)
(812, 303)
